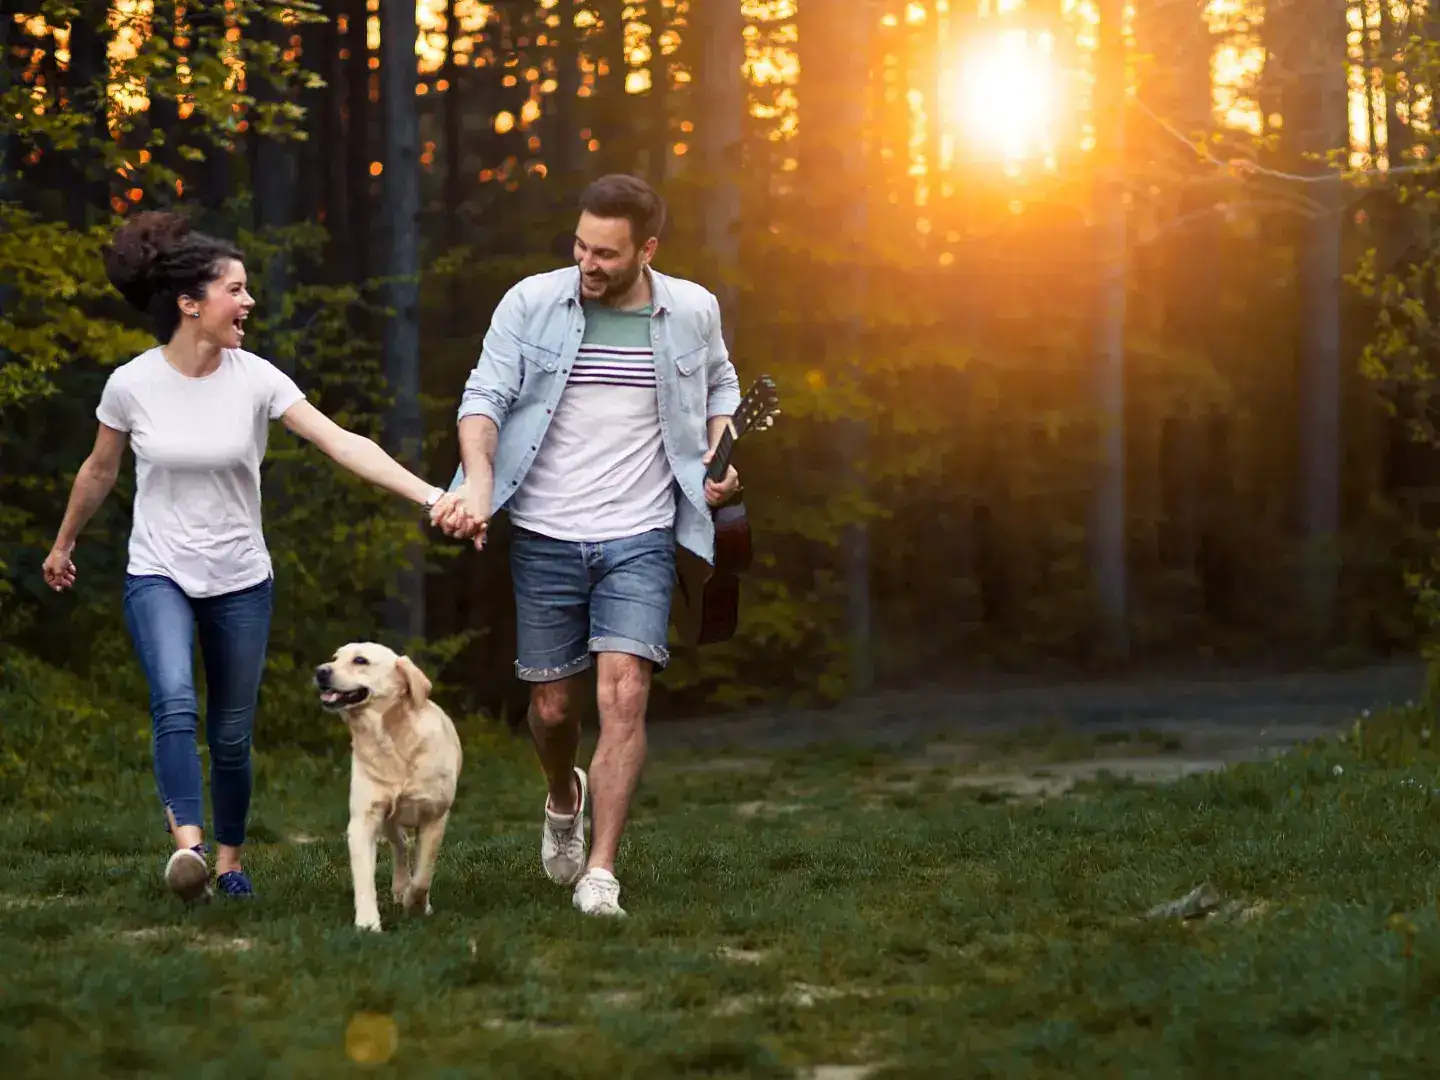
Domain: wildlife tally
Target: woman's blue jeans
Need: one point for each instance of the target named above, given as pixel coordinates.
(234, 630)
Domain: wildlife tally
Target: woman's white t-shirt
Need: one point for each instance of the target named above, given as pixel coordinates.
(198, 445)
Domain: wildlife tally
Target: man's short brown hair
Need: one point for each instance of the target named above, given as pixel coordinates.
(620, 195)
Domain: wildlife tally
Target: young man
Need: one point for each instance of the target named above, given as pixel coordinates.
(599, 396)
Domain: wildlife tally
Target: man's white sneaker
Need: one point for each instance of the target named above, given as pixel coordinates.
(562, 838)
(598, 893)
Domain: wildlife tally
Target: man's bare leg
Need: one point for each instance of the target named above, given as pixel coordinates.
(555, 730)
(622, 693)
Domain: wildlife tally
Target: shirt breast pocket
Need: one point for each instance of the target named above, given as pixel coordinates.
(539, 358)
(690, 379)
(689, 362)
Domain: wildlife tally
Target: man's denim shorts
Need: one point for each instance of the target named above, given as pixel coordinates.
(575, 599)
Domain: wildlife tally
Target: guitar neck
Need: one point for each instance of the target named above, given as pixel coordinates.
(721, 461)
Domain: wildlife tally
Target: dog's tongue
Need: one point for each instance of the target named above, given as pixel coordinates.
(330, 696)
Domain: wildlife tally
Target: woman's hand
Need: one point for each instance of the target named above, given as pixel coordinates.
(59, 571)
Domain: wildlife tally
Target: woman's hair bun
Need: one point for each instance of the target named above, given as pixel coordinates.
(135, 255)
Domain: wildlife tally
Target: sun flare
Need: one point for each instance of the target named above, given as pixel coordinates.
(1005, 96)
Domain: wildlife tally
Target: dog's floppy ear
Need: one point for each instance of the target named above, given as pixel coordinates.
(416, 684)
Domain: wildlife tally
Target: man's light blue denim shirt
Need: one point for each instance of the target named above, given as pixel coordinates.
(527, 356)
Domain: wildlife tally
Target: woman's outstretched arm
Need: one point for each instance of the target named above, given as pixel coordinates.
(93, 483)
(363, 456)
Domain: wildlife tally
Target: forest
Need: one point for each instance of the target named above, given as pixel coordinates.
(1102, 331)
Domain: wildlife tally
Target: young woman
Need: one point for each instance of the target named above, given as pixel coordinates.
(196, 411)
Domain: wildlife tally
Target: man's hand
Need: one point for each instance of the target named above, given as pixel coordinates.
(450, 516)
(715, 494)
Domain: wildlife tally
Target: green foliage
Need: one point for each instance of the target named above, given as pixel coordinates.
(61, 733)
(1396, 277)
(52, 279)
(54, 320)
(195, 65)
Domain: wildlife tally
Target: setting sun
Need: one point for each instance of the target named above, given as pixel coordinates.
(1005, 96)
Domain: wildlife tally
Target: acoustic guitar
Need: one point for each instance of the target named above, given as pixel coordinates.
(706, 604)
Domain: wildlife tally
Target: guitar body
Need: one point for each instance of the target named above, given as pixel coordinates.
(705, 608)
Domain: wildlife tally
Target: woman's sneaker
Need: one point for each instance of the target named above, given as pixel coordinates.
(235, 883)
(188, 874)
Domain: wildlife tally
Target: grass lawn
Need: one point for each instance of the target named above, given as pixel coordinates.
(790, 915)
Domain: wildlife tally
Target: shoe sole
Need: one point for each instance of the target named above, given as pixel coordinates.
(603, 913)
(571, 879)
(188, 878)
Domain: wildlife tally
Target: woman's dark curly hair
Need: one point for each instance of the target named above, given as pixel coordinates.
(154, 259)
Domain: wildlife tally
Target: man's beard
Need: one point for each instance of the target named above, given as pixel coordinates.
(617, 285)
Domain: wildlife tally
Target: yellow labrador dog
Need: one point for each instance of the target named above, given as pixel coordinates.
(404, 765)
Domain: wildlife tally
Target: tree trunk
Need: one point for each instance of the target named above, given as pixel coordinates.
(358, 144)
(319, 43)
(8, 149)
(452, 110)
(87, 193)
(563, 149)
(1315, 107)
(720, 102)
(214, 176)
(834, 41)
(658, 156)
(611, 121)
(272, 167)
(401, 339)
(1108, 533)
(163, 115)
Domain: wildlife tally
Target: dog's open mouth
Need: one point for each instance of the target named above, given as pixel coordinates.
(343, 699)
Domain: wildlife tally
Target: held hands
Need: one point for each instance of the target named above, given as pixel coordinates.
(59, 571)
(715, 494)
(465, 514)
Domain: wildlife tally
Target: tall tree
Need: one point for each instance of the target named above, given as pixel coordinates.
(1311, 78)
(87, 190)
(273, 161)
(561, 140)
(835, 44)
(720, 104)
(401, 340)
(1108, 529)
(359, 145)
(658, 142)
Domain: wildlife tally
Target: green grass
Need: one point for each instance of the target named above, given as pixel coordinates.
(790, 911)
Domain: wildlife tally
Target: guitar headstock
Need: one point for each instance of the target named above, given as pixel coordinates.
(758, 408)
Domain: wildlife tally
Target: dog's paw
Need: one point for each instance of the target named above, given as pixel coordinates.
(417, 901)
(398, 891)
(371, 923)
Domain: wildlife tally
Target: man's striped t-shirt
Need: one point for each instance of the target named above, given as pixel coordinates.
(601, 472)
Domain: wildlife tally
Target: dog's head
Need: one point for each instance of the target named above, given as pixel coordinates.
(363, 673)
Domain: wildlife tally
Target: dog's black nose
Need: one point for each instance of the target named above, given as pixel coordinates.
(322, 676)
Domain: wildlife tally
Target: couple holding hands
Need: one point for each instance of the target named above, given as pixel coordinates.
(600, 393)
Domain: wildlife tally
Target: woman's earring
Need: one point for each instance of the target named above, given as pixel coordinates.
(194, 314)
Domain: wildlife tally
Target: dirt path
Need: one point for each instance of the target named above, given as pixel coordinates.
(1212, 721)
